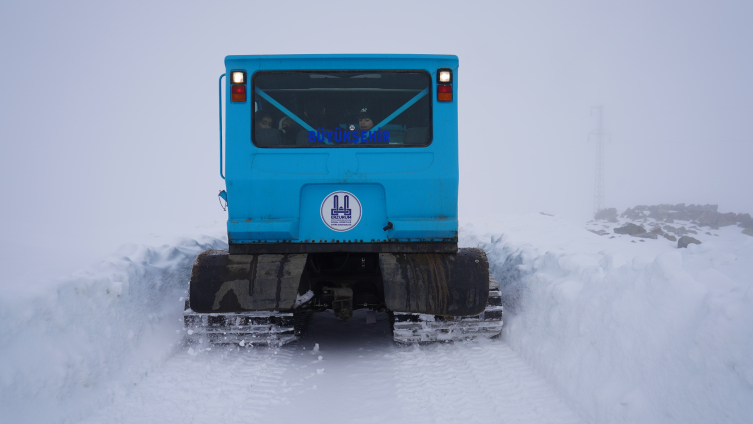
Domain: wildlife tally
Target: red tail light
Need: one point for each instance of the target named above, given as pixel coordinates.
(238, 92)
(444, 93)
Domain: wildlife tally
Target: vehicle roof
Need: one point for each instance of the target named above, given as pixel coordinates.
(343, 56)
(342, 61)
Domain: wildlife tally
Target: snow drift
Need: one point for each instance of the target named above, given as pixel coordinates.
(67, 347)
(626, 331)
(629, 332)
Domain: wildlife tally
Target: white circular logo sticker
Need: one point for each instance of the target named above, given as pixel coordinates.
(341, 211)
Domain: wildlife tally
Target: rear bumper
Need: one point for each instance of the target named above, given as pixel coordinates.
(274, 230)
(267, 248)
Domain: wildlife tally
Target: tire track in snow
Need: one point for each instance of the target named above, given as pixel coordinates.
(474, 383)
(223, 385)
(363, 377)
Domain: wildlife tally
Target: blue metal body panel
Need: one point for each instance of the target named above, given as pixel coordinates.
(275, 194)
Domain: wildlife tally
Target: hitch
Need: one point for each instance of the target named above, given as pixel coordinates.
(342, 305)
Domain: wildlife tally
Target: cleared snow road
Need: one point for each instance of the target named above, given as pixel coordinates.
(357, 375)
(626, 331)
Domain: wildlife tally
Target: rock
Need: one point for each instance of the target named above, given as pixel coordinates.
(745, 220)
(682, 231)
(632, 214)
(630, 229)
(685, 241)
(679, 215)
(725, 219)
(679, 231)
(710, 208)
(700, 215)
(706, 214)
(609, 214)
(645, 235)
(670, 237)
(709, 218)
(748, 231)
(695, 211)
(660, 212)
(599, 232)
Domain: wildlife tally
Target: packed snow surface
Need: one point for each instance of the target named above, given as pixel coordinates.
(598, 329)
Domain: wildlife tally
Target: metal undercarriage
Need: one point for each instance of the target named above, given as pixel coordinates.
(267, 299)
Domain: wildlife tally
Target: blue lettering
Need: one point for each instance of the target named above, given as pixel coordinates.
(338, 136)
(373, 137)
(312, 137)
(346, 137)
(386, 136)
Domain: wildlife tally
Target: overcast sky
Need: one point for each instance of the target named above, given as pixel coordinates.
(108, 112)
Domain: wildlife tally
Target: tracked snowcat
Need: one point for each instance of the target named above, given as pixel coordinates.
(341, 185)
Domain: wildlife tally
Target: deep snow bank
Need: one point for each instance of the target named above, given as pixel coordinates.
(629, 332)
(70, 345)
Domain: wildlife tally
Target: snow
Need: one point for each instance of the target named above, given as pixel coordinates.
(629, 332)
(354, 371)
(67, 345)
(598, 329)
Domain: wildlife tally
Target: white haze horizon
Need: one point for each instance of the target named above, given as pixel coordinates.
(109, 128)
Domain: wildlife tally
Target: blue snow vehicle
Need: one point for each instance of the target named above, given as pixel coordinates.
(341, 183)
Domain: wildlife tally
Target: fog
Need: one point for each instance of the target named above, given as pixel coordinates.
(108, 112)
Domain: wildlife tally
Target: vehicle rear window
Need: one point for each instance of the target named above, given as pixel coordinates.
(342, 109)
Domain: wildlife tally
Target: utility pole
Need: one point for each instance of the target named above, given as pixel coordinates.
(601, 137)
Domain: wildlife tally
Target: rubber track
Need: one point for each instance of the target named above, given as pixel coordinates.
(408, 328)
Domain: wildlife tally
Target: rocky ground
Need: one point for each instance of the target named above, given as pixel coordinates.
(676, 223)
